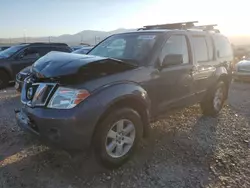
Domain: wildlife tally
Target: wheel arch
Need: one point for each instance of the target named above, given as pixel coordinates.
(224, 77)
(132, 98)
(8, 73)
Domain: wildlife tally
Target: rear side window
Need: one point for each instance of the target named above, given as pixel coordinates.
(42, 50)
(223, 46)
(201, 49)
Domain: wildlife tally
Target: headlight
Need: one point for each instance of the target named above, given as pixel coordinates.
(66, 98)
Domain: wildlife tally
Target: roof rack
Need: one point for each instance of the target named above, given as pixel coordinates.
(179, 25)
(207, 28)
(183, 26)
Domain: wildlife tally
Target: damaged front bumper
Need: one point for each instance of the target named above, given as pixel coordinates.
(67, 129)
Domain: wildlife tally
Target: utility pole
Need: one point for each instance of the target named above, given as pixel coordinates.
(24, 36)
(49, 39)
(81, 38)
(97, 39)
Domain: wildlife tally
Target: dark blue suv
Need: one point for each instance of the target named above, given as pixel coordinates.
(106, 99)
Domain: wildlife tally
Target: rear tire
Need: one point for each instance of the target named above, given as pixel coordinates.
(214, 101)
(4, 79)
(117, 137)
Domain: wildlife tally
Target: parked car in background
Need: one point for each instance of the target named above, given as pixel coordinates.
(242, 71)
(23, 64)
(83, 50)
(75, 47)
(105, 99)
(17, 57)
(4, 48)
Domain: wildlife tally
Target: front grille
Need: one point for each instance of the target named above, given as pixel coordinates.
(36, 94)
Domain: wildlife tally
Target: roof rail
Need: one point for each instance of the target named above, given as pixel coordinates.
(207, 28)
(46, 43)
(179, 25)
(53, 43)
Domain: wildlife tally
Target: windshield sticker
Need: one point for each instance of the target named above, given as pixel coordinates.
(147, 37)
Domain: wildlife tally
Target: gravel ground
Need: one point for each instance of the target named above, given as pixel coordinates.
(185, 149)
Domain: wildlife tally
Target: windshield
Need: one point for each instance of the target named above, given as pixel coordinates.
(10, 51)
(134, 47)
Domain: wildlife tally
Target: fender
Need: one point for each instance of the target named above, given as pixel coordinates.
(5, 67)
(219, 73)
(110, 95)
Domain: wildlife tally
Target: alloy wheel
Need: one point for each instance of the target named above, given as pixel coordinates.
(120, 138)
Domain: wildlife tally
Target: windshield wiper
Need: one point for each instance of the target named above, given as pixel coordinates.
(133, 63)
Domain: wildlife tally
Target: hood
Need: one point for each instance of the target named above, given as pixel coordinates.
(60, 64)
(244, 63)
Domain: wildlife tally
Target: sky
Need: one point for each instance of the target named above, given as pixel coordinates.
(56, 17)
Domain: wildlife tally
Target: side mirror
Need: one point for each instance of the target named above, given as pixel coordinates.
(172, 59)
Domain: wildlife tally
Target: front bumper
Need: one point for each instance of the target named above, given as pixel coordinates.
(67, 129)
(241, 76)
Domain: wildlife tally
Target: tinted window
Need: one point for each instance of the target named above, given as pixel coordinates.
(177, 44)
(43, 50)
(134, 47)
(200, 48)
(223, 46)
(30, 53)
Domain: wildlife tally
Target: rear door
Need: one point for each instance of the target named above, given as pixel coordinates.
(205, 63)
(175, 83)
(224, 52)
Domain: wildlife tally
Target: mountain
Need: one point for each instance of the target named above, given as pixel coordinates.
(86, 36)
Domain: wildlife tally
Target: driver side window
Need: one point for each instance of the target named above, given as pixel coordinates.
(30, 53)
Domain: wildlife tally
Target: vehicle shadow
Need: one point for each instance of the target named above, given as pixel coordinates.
(181, 152)
(176, 154)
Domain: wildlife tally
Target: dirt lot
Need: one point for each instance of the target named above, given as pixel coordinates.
(184, 150)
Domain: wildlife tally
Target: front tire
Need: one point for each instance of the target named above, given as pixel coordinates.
(117, 137)
(4, 79)
(214, 101)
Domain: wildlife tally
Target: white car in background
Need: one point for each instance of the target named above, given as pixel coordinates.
(242, 70)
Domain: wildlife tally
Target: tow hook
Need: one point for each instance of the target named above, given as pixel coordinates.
(16, 111)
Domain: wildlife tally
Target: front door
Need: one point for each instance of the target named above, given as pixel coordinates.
(24, 59)
(175, 83)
